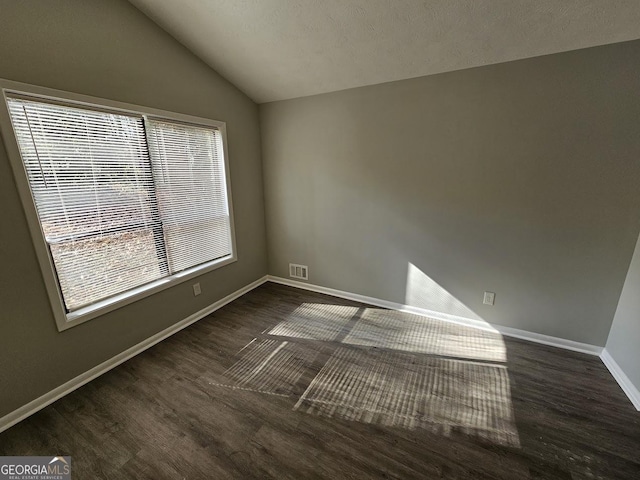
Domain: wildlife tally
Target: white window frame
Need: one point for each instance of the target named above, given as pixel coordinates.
(65, 320)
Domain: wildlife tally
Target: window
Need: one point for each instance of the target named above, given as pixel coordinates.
(126, 202)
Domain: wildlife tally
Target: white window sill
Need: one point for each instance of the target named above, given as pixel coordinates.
(117, 301)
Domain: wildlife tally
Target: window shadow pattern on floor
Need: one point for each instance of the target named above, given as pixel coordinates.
(384, 367)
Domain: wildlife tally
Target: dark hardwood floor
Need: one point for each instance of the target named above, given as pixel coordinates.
(284, 383)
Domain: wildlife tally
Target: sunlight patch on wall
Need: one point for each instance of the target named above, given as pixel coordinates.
(423, 292)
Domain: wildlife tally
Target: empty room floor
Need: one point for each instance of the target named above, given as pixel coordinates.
(285, 383)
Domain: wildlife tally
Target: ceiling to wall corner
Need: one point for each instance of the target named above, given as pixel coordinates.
(280, 49)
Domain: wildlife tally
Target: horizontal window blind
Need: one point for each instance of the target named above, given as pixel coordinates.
(189, 176)
(122, 200)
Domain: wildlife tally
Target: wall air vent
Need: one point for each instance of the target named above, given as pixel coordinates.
(299, 271)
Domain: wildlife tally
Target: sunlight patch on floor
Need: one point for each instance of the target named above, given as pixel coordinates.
(315, 321)
(409, 391)
(384, 367)
(412, 333)
(269, 366)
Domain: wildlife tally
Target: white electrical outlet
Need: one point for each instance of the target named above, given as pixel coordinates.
(298, 271)
(196, 289)
(489, 298)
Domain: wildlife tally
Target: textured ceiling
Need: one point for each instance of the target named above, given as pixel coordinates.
(279, 49)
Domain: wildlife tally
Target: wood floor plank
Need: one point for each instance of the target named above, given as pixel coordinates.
(286, 383)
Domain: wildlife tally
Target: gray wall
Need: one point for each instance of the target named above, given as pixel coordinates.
(519, 178)
(624, 339)
(111, 50)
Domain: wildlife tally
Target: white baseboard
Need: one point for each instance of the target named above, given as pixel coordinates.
(627, 387)
(549, 340)
(469, 322)
(39, 403)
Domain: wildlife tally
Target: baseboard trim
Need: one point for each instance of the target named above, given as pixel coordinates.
(627, 386)
(48, 398)
(469, 322)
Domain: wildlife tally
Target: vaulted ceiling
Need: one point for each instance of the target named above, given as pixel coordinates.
(280, 49)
